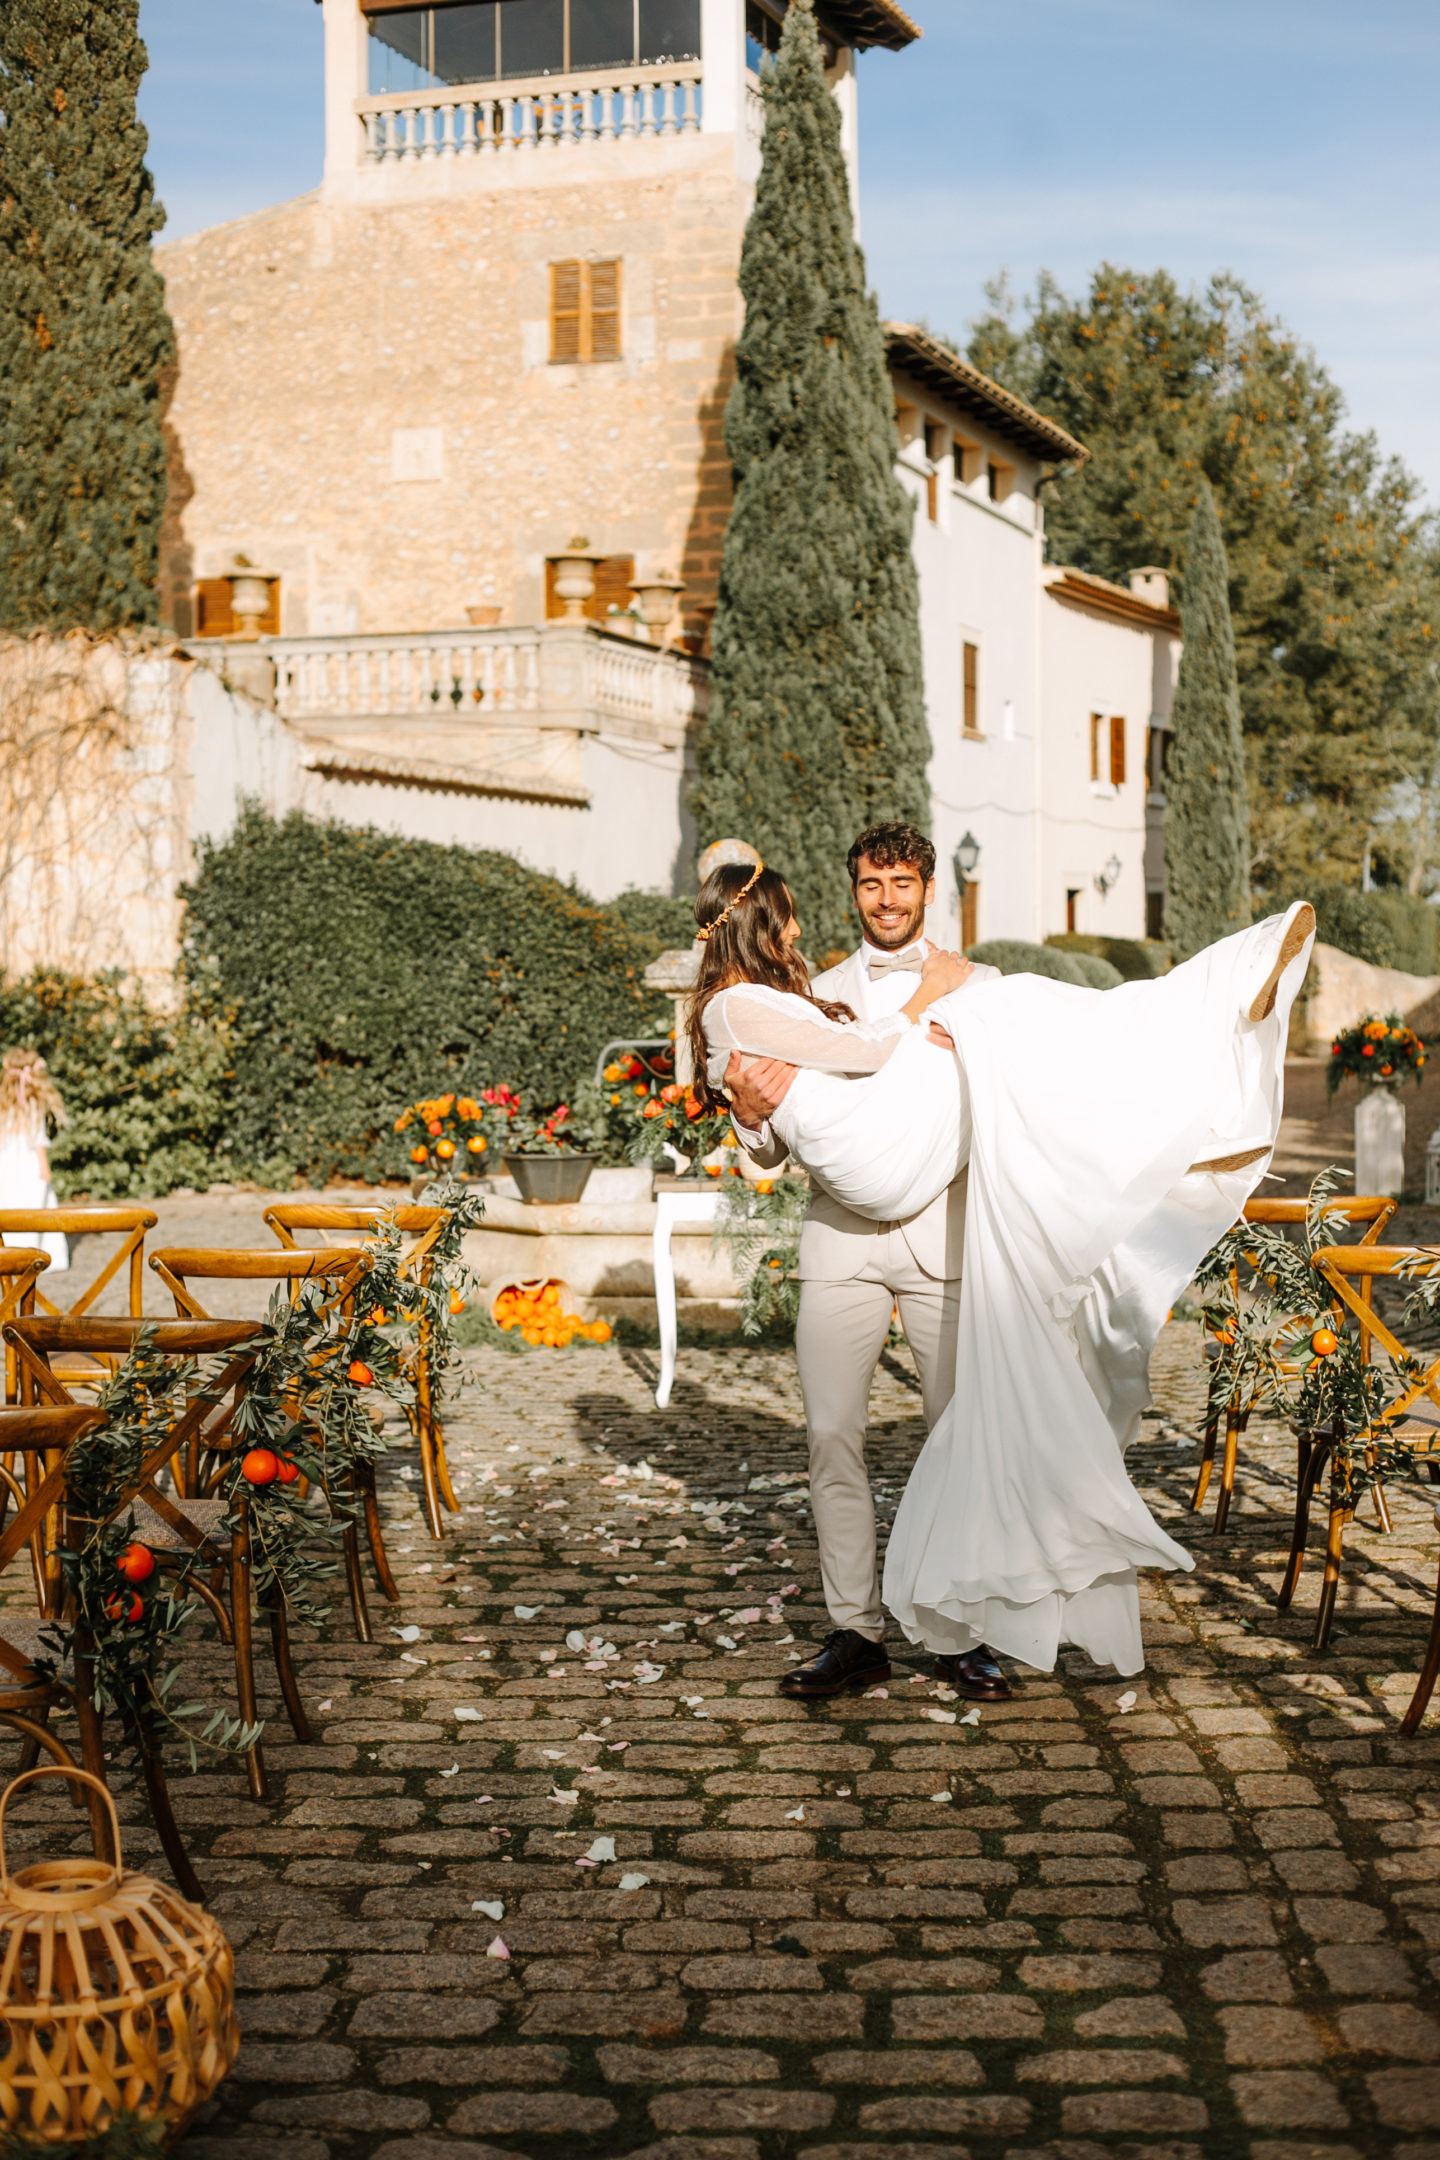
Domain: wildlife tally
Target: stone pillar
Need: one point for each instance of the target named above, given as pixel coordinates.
(1379, 1143)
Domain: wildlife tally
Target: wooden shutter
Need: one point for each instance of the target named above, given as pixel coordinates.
(1117, 751)
(565, 311)
(971, 709)
(932, 498)
(212, 609)
(584, 311)
(969, 915)
(604, 311)
(612, 588)
(1097, 724)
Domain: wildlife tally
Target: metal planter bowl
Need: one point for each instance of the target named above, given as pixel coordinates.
(550, 1180)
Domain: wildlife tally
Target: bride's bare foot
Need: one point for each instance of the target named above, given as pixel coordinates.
(1300, 927)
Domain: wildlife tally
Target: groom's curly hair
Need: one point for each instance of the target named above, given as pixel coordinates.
(888, 846)
(746, 944)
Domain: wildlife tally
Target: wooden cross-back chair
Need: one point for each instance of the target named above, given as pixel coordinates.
(1350, 1272)
(184, 1531)
(422, 1226)
(20, 1270)
(44, 1428)
(1376, 1212)
(342, 1269)
(128, 1225)
(30, 1697)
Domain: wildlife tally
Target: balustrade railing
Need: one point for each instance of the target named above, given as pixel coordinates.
(564, 675)
(436, 674)
(543, 113)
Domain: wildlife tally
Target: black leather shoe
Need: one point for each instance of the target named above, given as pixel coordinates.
(976, 1676)
(848, 1660)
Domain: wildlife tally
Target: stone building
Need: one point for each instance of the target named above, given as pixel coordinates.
(449, 483)
(500, 329)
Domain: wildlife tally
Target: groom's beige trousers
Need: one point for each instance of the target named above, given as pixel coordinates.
(838, 1339)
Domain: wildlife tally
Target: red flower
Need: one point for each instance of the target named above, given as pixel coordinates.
(1368, 1050)
(1334, 1049)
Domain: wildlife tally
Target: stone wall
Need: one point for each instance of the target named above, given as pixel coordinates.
(331, 348)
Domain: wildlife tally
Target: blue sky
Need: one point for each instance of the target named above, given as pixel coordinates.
(1293, 144)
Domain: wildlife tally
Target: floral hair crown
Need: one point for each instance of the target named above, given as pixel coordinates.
(703, 937)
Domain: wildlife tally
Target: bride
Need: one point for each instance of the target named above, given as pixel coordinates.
(1112, 1136)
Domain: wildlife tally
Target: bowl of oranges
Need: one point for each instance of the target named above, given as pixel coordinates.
(535, 1307)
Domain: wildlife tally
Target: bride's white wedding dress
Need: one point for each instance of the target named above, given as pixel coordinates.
(1083, 1114)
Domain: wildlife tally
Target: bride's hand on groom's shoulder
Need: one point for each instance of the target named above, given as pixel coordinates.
(944, 971)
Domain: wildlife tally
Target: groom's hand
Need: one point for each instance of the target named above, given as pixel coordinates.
(759, 1090)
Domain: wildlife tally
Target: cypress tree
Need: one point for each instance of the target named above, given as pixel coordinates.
(1207, 814)
(817, 717)
(84, 333)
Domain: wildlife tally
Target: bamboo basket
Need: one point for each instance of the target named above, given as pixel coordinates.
(116, 1996)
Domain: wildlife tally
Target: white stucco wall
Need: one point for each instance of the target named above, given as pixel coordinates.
(1091, 663)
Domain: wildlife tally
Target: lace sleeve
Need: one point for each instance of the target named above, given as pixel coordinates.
(772, 1023)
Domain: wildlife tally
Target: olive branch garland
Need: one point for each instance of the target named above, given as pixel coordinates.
(107, 1575)
(1279, 1345)
(762, 1229)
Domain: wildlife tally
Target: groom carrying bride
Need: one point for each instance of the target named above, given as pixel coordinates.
(853, 1271)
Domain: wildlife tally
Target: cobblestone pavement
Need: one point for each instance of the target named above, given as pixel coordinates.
(1193, 1914)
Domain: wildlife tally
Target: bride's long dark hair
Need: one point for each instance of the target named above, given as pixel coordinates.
(749, 945)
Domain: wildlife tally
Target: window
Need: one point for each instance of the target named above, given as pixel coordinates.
(1107, 744)
(419, 48)
(584, 311)
(970, 689)
(1155, 915)
(212, 609)
(1002, 480)
(1072, 909)
(612, 589)
(969, 461)
(762, 35)
(969, 915)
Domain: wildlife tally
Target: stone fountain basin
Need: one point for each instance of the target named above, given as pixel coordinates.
(601, 1247)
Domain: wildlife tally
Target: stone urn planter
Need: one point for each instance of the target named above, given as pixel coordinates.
(1380, 1142)
(550, 1180)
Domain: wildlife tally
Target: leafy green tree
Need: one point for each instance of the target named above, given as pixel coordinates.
(817, 718)
(1207, 817)
(1333, 572)
(84, 334)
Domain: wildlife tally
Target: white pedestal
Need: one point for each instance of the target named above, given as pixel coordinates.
(1379, 1143)
(670, 1208)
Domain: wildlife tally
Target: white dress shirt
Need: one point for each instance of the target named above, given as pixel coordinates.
(894, 991)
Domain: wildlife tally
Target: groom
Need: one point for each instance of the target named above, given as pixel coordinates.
(852, 1273)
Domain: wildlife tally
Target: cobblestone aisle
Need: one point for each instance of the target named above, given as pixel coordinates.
(565, 1876)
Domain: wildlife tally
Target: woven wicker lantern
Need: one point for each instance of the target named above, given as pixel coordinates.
(116, 1996)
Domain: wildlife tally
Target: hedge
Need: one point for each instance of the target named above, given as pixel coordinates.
(362, 971)
(145, 1091)
(1134, 959)
(1013, 956)
(1389, 928)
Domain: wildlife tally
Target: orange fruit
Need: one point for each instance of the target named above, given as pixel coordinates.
(445, 1149)
(289, 1471)
(261, 1466)
(1324, 1341)
(360, 1373)
(419, 1154)
(476, 1144)
(136, 1563)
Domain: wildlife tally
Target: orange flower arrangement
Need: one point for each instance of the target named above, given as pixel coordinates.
(1376, 1052)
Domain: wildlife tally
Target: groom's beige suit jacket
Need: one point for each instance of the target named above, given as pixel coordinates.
(834, 1241)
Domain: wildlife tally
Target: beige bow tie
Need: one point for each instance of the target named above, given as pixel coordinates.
(905, 963)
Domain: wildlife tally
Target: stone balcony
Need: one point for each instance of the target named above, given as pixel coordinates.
(550, 112)
(483, 711)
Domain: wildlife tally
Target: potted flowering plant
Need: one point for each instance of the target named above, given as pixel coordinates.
(1381, 1054)
(544, 1153)
(647, 1110)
